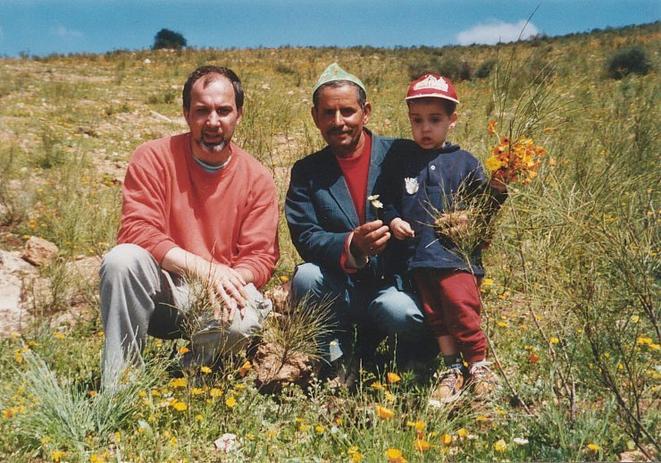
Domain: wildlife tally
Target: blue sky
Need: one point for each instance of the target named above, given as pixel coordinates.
(41, 27)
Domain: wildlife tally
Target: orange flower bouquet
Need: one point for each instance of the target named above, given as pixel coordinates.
(513, 161)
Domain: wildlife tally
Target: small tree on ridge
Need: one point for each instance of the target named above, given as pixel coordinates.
(165, 38)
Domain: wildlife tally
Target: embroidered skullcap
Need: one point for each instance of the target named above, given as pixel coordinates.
(333, 73)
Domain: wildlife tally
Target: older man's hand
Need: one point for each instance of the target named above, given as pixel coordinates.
(369, 239)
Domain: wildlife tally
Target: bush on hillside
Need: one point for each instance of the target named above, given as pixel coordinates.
(165, 38)
(485, 68)
(632, 60)
(447, 66)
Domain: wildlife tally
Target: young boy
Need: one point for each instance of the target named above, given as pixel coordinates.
(431, 177)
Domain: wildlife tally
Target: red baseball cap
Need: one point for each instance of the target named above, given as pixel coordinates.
(432, 85)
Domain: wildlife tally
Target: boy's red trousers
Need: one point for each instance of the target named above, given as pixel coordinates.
(451, 303)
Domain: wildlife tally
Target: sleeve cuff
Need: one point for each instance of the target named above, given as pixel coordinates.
(348, 263)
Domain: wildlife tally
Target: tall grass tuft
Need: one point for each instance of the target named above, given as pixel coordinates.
(301, 328)
(64, 413)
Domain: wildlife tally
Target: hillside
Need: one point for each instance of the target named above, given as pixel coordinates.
(571, 302)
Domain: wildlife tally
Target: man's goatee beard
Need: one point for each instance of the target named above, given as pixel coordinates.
(215, 148)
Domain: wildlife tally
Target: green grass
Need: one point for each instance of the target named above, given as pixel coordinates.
(570, 306)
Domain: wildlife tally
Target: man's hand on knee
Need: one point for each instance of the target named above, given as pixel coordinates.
(369, 239)
(229, 286)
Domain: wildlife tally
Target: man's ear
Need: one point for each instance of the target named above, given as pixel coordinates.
(313, 112)
(367, 110)
(453, 119)
(240, 114)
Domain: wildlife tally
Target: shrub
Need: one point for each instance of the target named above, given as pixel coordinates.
(448, 66)
(485, 68)
(632, 60)
(165, 38)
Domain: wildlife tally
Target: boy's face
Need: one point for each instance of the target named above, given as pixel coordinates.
(430, 122)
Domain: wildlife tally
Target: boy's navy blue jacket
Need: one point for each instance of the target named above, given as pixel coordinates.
(414, 183)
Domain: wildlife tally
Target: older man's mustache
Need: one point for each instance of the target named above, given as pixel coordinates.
(338, 131)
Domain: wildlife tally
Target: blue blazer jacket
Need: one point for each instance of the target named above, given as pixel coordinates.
(319, 209)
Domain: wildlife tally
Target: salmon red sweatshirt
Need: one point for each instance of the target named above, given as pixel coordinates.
(229, 217)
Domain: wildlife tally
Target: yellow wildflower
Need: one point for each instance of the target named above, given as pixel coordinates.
(377, 386)
(422, 445)
(215, 392)
(395, 456)
(446, 439)
(500, 446)
(594, 448)
(18, 356)
(554, 340)
(502, 324)
(57, 455)
(11, 412)
(319, 429)
(462, 433)
(230, 402)
(354, 454)
(179, 406)
(393, 378)
(389, 396)
(493, 163)
(98, 458)
(384, 413)
(284, 278)
(59, 335)
(183, 350)
(205, 370)
(418, 425)
(178, 383)
(644, 340)
(197, 391)
(245, 368)
(487, 282)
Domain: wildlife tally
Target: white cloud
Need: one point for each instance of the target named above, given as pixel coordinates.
(497, 31)
(65, 33)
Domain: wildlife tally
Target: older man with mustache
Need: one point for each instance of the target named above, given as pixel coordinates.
(338, 234)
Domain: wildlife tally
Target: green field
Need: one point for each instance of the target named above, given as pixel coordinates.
(571, 306)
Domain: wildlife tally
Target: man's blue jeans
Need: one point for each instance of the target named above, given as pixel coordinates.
(378, 311)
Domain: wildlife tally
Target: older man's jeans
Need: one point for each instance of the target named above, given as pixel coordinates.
(378, 311)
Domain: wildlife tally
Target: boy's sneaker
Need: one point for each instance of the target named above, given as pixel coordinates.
(449, 386)
(482, 380)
